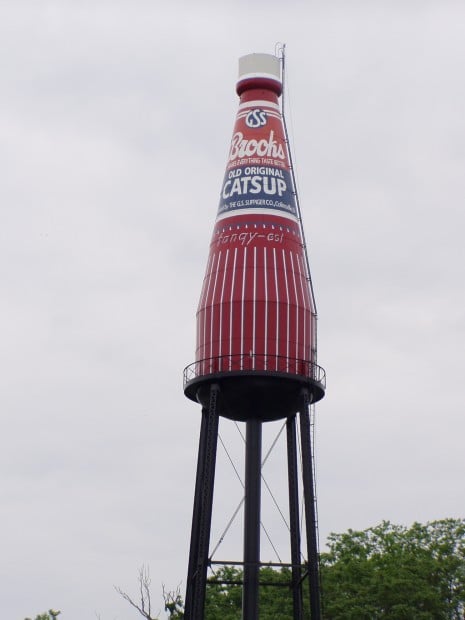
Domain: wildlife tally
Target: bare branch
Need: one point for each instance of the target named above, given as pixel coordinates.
(130, 601)
(145, 605)
(145, 581)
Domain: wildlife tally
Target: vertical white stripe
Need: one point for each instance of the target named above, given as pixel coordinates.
(254, 303)
(244, 271)
(307, 299)
(202, 294)
(277, 307)
(205, 305)
(201, 306)
(287, 309)
(198, 335)
(265, 348)
(310, 312)
(296, 310)
(212, 305)
(301, 280)
(220, 336)
(233, 277)
(311, 300)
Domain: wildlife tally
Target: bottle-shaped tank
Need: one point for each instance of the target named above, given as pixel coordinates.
(256, 319)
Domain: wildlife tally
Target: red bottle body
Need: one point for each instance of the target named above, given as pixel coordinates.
(256, 309)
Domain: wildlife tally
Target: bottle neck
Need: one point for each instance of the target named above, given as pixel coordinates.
(258, 94)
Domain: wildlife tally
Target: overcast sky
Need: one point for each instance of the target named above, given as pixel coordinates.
(115, 122)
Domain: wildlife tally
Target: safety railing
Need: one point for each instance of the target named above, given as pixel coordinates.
(251, 362)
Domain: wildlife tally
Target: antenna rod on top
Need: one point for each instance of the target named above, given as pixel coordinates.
(282, 57)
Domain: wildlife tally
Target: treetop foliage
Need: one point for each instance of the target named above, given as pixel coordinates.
(394, 572)
(51, 615)
(389, 572)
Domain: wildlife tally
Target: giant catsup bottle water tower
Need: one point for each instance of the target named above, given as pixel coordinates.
(256, 335)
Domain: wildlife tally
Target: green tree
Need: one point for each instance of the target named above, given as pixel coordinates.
(51, 615)
(396, 573)
(387, 572)
(224, 600)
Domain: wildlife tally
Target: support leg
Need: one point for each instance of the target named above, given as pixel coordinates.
(194, 544)
(310, 508)
(294, 517)
(201, 520)
(253, 450)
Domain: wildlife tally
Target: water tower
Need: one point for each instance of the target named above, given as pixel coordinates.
(256, 337)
